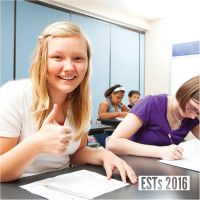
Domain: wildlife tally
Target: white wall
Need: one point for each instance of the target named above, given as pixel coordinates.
(157, 57)
(188, 30)
(189, 66)
(158, 50)
(103, 11)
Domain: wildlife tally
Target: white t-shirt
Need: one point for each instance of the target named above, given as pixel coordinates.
(16, 120)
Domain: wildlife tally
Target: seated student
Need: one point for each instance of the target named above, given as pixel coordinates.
(44, 121)
(133, 97)
(157, 124)
(112, 107)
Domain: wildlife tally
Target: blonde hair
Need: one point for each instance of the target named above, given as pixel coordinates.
(79, 98)
(189, 90)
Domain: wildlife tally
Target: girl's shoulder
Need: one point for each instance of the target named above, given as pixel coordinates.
(154, 99)
(16, 90)
(15, 85)
(106, 100)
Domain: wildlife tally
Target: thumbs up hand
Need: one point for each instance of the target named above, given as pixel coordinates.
(52, 115)
(53, 138)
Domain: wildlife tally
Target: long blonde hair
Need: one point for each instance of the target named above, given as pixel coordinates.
(79, 98)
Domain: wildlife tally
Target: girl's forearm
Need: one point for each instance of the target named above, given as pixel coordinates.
(88, 155)
(14, 162)
(123, 146)
(109, 115)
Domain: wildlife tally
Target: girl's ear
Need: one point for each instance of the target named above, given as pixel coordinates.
(111, 95)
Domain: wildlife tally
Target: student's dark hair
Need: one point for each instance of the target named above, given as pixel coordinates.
(133, 92)
(189, 90)
(110, 90)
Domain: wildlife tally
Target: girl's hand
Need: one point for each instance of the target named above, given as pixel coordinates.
(122, 114)
(53, 138)
(112, 162)
(172, 152)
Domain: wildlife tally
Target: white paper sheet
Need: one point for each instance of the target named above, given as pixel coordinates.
(81, 184)
(191, 156)
(120, 118)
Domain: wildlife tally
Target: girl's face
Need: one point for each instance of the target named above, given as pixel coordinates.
(134, 98)
(117, 97)
(67, 63)
(192, 110)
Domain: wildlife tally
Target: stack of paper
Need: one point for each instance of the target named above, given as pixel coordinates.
(81, 184)
(191, 156)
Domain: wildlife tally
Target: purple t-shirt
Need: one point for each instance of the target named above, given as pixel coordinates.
(152, 110)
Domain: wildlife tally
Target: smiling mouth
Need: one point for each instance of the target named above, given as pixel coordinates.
(67, 78)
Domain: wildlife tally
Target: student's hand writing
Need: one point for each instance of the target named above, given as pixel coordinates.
(172, 152)
(111, 161)
(53, 138)
(122, 114)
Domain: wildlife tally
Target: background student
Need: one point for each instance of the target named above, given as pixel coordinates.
(133, 97)
(112, 107)
(157, 124)
(44, 120)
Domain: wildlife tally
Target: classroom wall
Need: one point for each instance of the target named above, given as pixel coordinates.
(104, 11)
(158, 49)
(157, 57)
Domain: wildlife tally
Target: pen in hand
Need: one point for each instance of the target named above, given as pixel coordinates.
(170, 138)
(177, 150)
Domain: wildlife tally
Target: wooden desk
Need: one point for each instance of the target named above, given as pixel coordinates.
(142, 166)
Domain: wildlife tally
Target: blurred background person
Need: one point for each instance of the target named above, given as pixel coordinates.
(133, 97)
(112, 107)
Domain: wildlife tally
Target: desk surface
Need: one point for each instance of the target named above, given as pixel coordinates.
(142, 166)
(112, 122)
(98, 129)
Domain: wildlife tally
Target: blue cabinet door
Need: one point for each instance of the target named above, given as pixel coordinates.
(31, 20)
(125, 59)
(6, 41)
(98, 33)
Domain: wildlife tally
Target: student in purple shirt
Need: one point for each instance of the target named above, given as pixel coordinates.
(157, 124)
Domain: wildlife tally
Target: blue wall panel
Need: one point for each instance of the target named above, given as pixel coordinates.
(141, 67)
(31, 20)
(6, 41)
(186, 48)
(125, 59)
(99, 34)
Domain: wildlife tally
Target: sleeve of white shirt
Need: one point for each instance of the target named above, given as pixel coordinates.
(10, 103)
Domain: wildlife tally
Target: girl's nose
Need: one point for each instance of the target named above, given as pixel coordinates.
(68, 65)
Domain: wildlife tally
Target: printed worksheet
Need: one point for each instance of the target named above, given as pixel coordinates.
(82, 184)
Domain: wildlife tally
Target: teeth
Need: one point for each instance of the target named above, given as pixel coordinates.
(66, 78)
